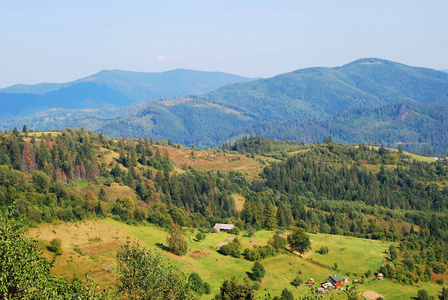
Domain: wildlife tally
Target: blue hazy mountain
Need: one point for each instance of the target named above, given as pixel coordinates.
(114, 88)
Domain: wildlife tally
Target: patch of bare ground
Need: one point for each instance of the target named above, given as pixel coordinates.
(221, 244)
(371, 295)
(109, 155)
(199, 253)
(239, 201)
(299, 152)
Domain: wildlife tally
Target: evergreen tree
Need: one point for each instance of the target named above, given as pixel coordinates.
(269, 220)
(102, 196)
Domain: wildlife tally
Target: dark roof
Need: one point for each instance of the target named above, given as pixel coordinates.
(336, 277)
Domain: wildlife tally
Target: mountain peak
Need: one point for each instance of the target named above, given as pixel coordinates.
(371, 61)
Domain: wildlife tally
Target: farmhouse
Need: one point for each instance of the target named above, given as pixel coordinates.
(223, 227)
(336, 281)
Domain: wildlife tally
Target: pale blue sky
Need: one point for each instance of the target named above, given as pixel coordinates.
(60, 41)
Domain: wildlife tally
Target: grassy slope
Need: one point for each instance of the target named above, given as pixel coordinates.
(98, 259)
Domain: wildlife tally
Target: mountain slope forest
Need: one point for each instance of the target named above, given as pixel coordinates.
(304, 105)
(257, 184)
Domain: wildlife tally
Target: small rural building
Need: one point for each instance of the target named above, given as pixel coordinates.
(310, 282)
(336, 281)
(223, 227)
(380, 276)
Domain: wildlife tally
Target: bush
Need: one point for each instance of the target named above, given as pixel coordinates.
(207, 288)
(297, 281)
(323, 250)
(196, 283)
(440, 281)
(286, 295)
(259, 253)
(200, 236)
(232, 249)
(439, 268)
(55, 246)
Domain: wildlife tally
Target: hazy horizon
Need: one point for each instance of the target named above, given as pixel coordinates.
(62, 42)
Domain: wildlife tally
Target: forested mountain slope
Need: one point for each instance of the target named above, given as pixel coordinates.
(308, 95)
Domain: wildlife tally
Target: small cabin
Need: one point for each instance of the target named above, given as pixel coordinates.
(310, 282)
(336, 281)
(223, 227)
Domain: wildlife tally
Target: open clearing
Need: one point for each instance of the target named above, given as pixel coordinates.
(209, 161)
(89, 247)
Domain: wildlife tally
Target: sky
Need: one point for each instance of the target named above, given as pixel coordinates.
(64, 40)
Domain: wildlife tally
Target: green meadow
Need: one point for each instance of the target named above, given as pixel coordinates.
(96, 242)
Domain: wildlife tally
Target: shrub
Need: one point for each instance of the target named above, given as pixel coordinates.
(232, 249)
(207, 288)
(200, 236)
(286, 295)
(55, 246)
(439, 268)
(323, 250)
(277, 242)
(196, 283)
(297, 281)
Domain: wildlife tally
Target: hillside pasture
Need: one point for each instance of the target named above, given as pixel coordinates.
(89, 247)
(352, 255)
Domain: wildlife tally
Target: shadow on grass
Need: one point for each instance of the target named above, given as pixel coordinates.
(162, 246)
(250, 275)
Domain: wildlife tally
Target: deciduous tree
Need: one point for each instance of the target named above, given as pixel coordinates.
(299, 240)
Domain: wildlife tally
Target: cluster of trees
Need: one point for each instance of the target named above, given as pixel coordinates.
(325, 189)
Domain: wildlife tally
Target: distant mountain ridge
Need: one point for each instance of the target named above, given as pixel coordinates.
(114, 88)
(312, 94)
(368, 99)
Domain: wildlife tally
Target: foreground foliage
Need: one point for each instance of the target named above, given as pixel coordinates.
(25, 274)
(145, 275)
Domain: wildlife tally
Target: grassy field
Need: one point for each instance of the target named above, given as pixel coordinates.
(351, 254)
(90, 247)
